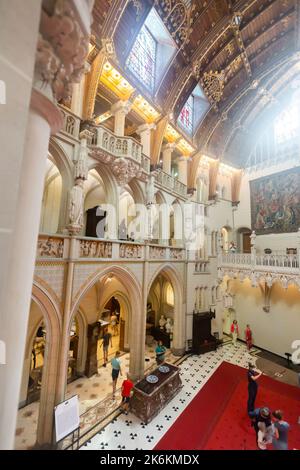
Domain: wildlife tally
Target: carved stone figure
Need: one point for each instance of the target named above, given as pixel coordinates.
(169, 326)
(162, 322)
(81, 168)
(76, 199)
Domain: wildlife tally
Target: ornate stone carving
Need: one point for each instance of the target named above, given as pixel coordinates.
(95, 249)
(61, 49)
(130, 251)
(213, 85)
(81, 167)
(50, 247)
(157, 252)
(177, 253)
(75, 209)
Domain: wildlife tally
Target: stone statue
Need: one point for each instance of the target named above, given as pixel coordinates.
(81, 169)
(75, 211)
(169, 326)
(150, 191)
(162, 322)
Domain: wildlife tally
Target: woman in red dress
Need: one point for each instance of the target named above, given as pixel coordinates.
(248, 336)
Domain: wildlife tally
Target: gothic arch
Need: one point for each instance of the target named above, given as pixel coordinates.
(176, 281)
(51, 314)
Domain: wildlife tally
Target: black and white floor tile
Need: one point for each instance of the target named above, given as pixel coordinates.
(128, 432)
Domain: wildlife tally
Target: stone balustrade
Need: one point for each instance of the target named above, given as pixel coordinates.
(275, 263)
(53, 247)
(168, 182)
(281, 268)
(123, 147)
(71, 122)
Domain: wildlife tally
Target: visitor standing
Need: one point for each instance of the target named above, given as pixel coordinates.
(234, 332)
(281, 431)
(253, 375)
(248, 337)
(160, 352)
(126, 393)
(106, 339)
(116, 370)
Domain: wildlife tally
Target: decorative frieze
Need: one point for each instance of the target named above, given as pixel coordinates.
(50, 247)
(95, 249)
(177, 253)
(157, 252)
(129, 250)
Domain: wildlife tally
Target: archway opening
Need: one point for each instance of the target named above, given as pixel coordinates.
(160, 315)
(51, 203)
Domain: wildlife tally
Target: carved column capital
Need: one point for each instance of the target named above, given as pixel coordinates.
(121, 107)
(62, 46)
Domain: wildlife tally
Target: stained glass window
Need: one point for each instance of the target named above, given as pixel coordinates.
(141, 60)
(286, 125)
(185, 119)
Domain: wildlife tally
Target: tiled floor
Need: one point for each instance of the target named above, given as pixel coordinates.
(128, 432)
(95, 398)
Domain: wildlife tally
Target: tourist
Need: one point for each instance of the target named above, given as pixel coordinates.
(116, 370)
(260, 415)
(126, 393)
(160, 352)
(106, 340)
(234, 332)
(281, 430)
(253, 375)
(248, 337)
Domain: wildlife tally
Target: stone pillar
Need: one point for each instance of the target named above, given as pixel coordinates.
(144, 132)
(55, 70)
(78, 93)
(167, 157)
(182, 169)
(138, 327)
(120, 110)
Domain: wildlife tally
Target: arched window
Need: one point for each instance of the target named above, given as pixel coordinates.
(286, 125)
(170, 295)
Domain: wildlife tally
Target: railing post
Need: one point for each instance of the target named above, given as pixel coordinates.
(298, 248)
(253, 248)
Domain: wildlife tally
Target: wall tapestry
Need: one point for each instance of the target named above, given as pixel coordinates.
(275, 202)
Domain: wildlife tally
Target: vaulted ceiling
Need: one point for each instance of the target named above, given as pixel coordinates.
(244, 53)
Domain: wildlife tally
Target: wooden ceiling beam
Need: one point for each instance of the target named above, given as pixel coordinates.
(207, 43)
(233, 101)
(297, 29)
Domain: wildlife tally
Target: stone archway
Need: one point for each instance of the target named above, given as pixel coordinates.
(52, 318)
(175, 280)
(137, 316)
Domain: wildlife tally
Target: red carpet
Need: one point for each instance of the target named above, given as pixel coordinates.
(217, 416)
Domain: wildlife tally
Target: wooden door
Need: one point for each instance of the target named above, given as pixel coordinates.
(246, 242)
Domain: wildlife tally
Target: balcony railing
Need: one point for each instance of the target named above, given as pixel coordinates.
(276, 263)
(123, 147)
(57, 247)
(169, 182)
(71, 122)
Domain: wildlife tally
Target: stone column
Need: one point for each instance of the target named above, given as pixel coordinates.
(138, 327)
(182, 169)
(55, 70)
(144, 132)
(167, 157)
(78, 93)
(120, 110)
